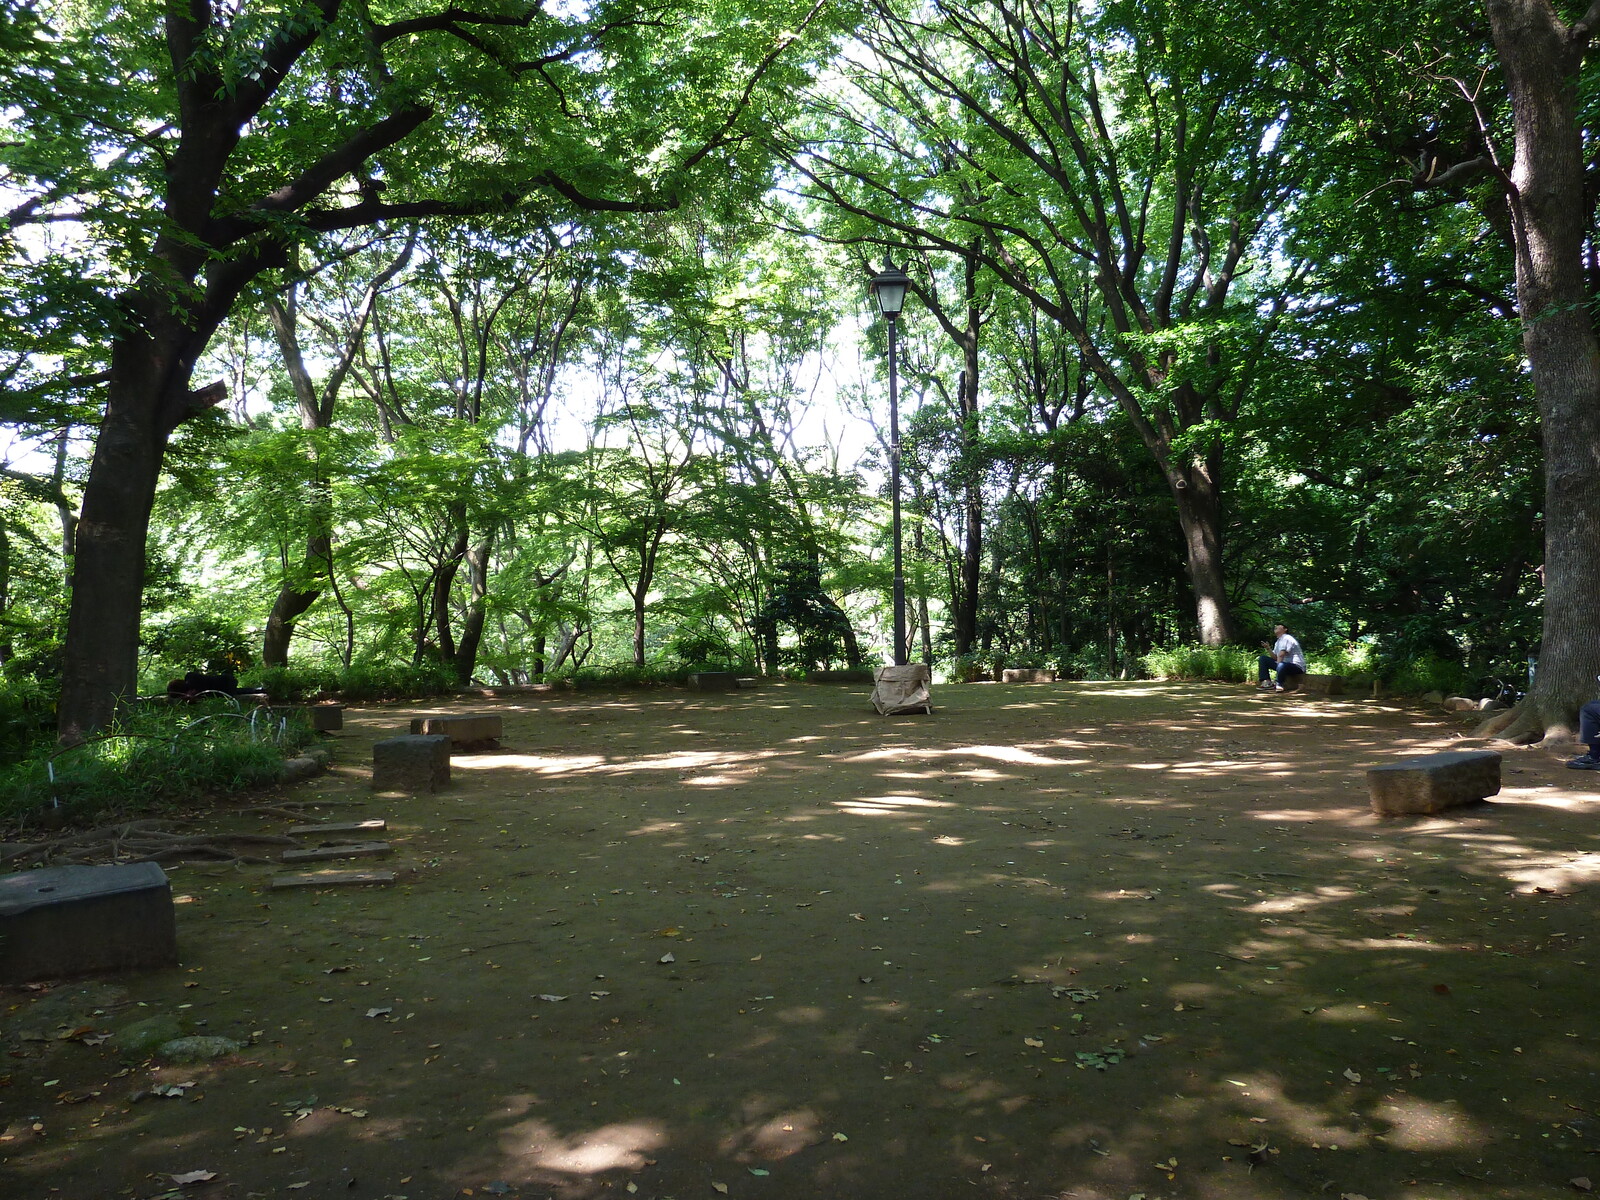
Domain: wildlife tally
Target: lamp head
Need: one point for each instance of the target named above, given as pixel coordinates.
(888, 288)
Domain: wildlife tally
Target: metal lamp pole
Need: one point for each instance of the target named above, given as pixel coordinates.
(889, 289)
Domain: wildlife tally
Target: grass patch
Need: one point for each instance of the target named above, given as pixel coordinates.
(153, 760)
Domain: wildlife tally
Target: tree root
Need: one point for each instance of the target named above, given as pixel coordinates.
(144, 841)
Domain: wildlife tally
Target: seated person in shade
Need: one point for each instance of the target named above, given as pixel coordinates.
(1588, 731)
(1284, 666)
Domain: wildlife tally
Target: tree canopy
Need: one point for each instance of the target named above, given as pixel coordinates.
(520, 338)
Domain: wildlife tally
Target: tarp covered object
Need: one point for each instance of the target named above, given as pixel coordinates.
(903, 689)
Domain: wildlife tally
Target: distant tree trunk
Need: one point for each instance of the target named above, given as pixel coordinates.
(477, 609)
(1549, 211)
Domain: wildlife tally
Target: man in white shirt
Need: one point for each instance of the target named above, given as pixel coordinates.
(1283, 668)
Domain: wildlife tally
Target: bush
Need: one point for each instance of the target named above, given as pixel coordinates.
(27, 717)
(1235, 664)
(362, 681)
(155, 758)
(1428, 673)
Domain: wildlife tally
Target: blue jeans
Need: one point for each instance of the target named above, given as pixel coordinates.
(1589, 726)
(1269, 667)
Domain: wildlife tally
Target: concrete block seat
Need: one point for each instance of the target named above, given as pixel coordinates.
(1027, 675)
(64, 921)
(1431, 783)
(713, 681)
(464, 732)
(411, 764)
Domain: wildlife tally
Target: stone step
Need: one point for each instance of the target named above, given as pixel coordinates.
(347, 850)
(370, 825)
(331, 879)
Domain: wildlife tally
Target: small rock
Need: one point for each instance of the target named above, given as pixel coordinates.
(198, 1049)
(1489, 704)
(1460, 704)
(143, 1037)
(1433, 697)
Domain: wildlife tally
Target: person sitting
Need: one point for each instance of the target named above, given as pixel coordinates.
(1281, 670)
(1588, 731)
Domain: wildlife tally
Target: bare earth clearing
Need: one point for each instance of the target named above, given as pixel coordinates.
(1083, 940)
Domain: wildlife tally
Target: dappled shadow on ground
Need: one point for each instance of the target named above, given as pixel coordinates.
(1078, 940)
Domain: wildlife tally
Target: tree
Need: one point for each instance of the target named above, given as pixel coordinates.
(1135, 149)
(1552, 207)
(204, 142)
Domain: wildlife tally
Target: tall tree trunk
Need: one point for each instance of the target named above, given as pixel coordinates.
(147, 398)
(1194, 491)
(1542, 57)
(477, 609)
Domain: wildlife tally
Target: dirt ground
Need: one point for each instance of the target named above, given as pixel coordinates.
(1097, 941)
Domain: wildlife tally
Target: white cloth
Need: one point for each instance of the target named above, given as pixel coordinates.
(1286, 649)
(903, 689)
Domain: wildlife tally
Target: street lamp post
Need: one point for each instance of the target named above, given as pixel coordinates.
(889, 290)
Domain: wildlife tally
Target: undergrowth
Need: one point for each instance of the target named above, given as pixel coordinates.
(153, 759)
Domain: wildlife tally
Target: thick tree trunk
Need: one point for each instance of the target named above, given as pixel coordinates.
(1541, 58)
(1200, 518)
(147, 398)
(965, 617)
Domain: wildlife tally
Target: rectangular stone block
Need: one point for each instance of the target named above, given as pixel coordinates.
(1027, 675)
(323, 718)
(1431, 783)
(713, 681)
(464, 732)
(370, 825)
(63, 921)
(1322, 685)
(419, 763)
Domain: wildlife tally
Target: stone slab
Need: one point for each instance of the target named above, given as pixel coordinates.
(464, 732)
(1431, 783)
(1322, 685)
(1027, 675)
(713, 681)
(344, 850)
(323, 718)
(418, 763)
(63, 921)
(370, 825)
(307, 879)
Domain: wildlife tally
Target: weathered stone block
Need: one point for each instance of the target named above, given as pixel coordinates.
(464, 732)
(64, 921)
(1431, 783)
(713, 681)
(419, 763)
(323, 718)
(1322, 685)
(1027, 675)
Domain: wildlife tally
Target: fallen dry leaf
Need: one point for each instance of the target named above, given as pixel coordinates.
(193, 1177)
(720, 1187)
(1352, 1076)
(1582, 1183)
(668, 957)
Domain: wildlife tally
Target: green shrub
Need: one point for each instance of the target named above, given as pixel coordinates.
(1235, 664)
(153, 759)
(27, 717)
(361, 681)
(1428, 673)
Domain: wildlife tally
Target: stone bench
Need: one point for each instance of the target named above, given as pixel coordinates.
(63, 921)
(411, 764)
(1027, 675)
(1318, 685)
(1431, 783)
(323, 718)
(713, 681)
(465, 733)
